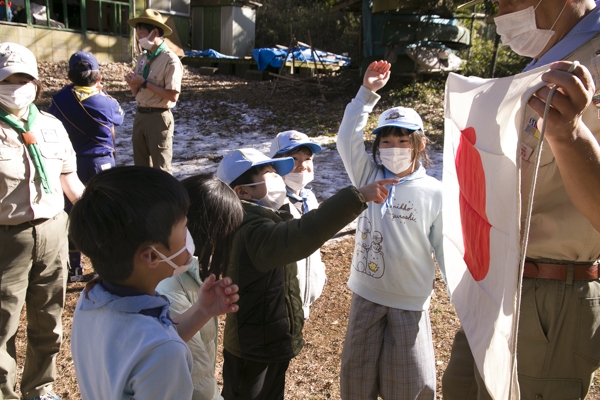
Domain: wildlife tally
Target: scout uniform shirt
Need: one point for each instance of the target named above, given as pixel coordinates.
(22, 197)
(165, 71)
(558, 230)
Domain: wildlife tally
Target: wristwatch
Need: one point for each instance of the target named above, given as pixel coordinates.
(143, 85)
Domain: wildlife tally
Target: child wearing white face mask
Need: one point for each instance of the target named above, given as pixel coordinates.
(388, 351)
(301, 199)
(123, 340)
(266, 333)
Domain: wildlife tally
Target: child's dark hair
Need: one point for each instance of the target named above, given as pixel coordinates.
(84, 78)
(416, 137)
(150, 28)
(121, 210)
(246, 177)
(300, 149)
(214, 216)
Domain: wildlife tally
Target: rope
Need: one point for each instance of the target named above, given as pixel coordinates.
(528, 220)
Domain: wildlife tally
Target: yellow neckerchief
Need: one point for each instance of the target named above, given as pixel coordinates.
(85, 92)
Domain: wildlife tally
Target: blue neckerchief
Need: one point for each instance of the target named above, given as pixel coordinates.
(161, 313)
(419, 173)
(303, 199)
(581, 33)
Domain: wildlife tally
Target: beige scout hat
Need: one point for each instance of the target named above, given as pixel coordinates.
(16, 59)
(152, 17)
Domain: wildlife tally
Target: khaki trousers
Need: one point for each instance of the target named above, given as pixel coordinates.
(153, 139)
(33, 271)
(558, 344)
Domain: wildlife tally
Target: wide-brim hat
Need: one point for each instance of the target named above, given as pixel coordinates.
(400, 117)
(16, 59)
(151, 17)
(238, 161)
(288, 141)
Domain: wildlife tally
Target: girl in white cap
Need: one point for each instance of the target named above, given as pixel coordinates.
(37, 165)
(388, 350)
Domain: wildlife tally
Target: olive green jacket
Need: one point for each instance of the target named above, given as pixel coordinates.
(268, 324)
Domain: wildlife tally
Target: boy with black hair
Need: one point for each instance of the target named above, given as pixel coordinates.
(266, 333)
(124, 343)
(89, 116)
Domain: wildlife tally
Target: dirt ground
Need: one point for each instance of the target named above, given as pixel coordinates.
(314, 373)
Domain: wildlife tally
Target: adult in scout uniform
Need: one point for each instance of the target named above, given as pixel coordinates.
(156, 84)
(559, 323)
(89, 115)
(37, 165)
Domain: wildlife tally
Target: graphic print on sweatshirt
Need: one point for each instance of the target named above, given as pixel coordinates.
(401, 211)
(368, 257)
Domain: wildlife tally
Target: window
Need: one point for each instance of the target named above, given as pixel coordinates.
(102, 16)
(176, 7)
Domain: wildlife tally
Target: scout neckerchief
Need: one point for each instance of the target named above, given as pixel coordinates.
(30, 141)
(387, 174)
(81, 93)
(299, 198)
(150, 57)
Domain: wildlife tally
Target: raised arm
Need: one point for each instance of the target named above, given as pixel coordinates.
(575, 148)
(214, 298)
(350, 140)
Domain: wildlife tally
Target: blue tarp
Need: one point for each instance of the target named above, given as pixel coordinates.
(275, 57)
(207, 53)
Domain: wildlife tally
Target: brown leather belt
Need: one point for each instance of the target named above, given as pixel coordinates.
(581, 272)
(148, 110)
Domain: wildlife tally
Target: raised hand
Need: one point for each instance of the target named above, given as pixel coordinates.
(218, 297)
(377, 75)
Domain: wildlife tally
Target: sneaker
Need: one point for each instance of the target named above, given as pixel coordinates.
(47, 396)
(75, 275)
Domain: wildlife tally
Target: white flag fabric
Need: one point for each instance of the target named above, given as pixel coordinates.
(481, 211)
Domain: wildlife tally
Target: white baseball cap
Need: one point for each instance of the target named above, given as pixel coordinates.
(238, 161)
(16, 59)
(400, 117)
(287, 141)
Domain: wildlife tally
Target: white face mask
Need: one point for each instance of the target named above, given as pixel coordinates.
(519, 31)
(17, 97)
(297, 180)
(146, 44)
(396, 159)
(276, 193)
(179, 269)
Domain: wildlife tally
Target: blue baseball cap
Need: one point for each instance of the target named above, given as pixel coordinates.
(83, 61)
(400, 117)
(287, 141)
(238, 161)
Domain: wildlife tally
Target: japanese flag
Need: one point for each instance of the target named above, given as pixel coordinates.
(482, 214)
